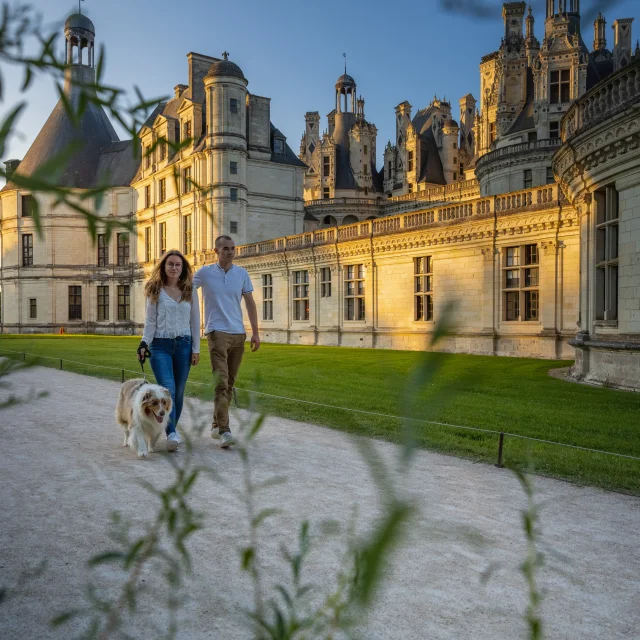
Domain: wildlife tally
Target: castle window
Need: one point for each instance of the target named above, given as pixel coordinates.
(300, 295)
(366, 150)
(455, 145)
(326, 193)
(423, 288)
(27, 249)
(75, 302)
(520, 283)
(267, 296)
(147, 244)
(233, 226)
(162, 228)
(326, 166)
(33, 308)
(187, 130)
(554, 129)
(365, 170)
(103, 250)
(532, 136)
(366, 191)
(528, 178)
(606, 254)
(455, 159)
(455, 175)
(147, 156)
(103, 303)
(410, 187)
(123, 249)
(233, 168)
(233, 194)
(187, 185)
(560, 86)
(410, 161)
(188, 235)
(233, 105)
(278, 146)
(147, 196)
(162, 150)
(354, 292)
(28, 206)
(124, 302)
(550, 178)
(162, 188)
(325, 282)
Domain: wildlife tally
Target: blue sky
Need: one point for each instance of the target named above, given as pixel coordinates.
(291, 51)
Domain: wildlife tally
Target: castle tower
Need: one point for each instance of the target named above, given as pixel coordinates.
(92, 133)
(622, 49)
(226, 102)
(599, 37)
(531, 44)
(345, 118)
(512, 14)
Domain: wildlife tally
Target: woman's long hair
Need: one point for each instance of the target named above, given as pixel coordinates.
(158, 278)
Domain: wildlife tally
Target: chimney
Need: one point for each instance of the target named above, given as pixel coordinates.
(10, 168)
(178, 89)
(621, 43)
(599, 38)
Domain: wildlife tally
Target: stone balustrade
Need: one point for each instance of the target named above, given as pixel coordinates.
(535, 198)
(611, 95)
(521, 148)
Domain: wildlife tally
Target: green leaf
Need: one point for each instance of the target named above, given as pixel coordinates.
(104, 558)
(8, 125)
(64, 617)
(248, 555)
(133, 552)
(263, 515)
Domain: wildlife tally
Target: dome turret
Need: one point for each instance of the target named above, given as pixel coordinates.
(225, 67)
(79, 21)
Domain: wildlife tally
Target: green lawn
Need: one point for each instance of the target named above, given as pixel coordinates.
(505, 394)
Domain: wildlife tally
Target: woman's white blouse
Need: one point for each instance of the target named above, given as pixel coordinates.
(170, 319)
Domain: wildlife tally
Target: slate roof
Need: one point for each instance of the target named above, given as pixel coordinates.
(289, 156)
(93, 135)
(431, 170)
(599, 67)
(524, 120)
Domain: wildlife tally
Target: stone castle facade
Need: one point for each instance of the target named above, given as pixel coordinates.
(523, 212)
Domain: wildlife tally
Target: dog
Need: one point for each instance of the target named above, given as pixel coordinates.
(143, 412)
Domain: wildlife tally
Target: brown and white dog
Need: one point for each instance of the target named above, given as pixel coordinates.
(143, 412)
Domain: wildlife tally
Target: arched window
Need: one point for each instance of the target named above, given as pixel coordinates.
(349, 220)
(329, 221)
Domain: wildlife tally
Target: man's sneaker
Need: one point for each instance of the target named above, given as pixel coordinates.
(215, 433)
(226, 439)
(173, 440)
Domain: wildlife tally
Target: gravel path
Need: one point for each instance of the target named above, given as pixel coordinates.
(63, 472)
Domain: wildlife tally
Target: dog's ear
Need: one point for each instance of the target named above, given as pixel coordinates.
(147, 396)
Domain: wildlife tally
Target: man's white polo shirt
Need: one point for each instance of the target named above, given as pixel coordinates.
(222, 292)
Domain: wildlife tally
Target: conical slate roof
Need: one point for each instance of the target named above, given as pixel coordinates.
(93, 134)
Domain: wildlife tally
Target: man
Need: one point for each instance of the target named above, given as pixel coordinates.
(224, 284)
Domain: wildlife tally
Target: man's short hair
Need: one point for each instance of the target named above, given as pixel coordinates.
(221, 239)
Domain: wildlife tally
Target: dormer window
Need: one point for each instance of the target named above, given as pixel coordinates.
(187, 130)
(278, 146)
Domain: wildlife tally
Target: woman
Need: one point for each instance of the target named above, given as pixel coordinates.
(171, 331)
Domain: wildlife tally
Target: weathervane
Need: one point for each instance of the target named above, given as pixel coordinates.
(344, 55)
(79, 5)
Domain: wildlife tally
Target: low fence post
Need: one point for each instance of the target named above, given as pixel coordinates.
(123, 376)
(60, 364)
(500, 448)
(24, 357)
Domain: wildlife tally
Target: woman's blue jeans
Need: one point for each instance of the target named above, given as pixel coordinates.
(171, 361)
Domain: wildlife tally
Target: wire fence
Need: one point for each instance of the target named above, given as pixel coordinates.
(501, 435)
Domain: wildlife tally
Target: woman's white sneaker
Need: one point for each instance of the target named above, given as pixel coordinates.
(173, 441)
